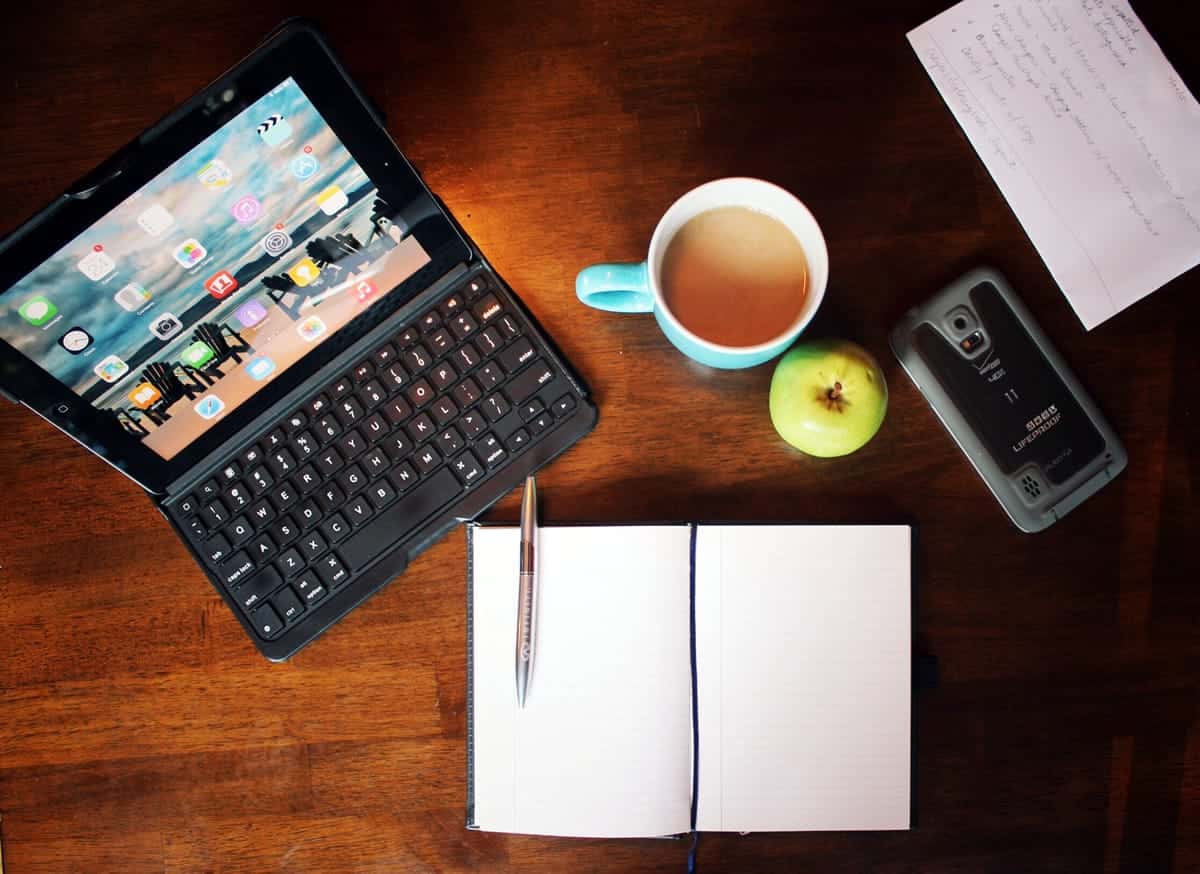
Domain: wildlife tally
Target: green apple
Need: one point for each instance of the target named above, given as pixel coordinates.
(828, 397)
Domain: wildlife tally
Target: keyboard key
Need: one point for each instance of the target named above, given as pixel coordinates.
(352, 479)
(284, 530)
(187, 506)
(284, 496)
(240, 530)
(311, 545)
(489, 342)
(420, 428)
(495, 406)
(317, 407)
(509, 327)
(282, 463)
(250, 457)
(235, 568)
(426, 460)
(529, 381)
(295, 422)
(540, 423)
(351, 444)
(348, 411)
(307, 514)
(375, 463)
(372, 395)
(274, 440)
(267, 622)
(209, 490)
(430, 321)
(491, 451)
(506, 425)
(195, 528)
(216, 549)
(394, 377)
(259, 480)
(443, 376)
(215, 514)
(476, 287)
(262, 548)
(397, 410)
(310, 587)
(262, 513)
(463, 326)
(399, 519)
(518, 440)
(380, 494)
(467, 393)
(332, 572)
(230, 472)
(408, 336)
(472, 425)
(451, 305)
(341, 388)
(362, 371)
(304, 444)
(516, 356)
(403, 477)
(417, 358)
(359, 510)
(335, 527)
(308, 479)
(253, 592)
(375, 428)
(490, 376)
(330, 498)
(466, 356)
(397, 446)
(563, 405)
(236, 496)
(384, 355)
(330, 462)
(487, 308)
(440, 341)
(449, 441)
(531, 409)
(288, 605)
(419, 393)
(467, 468)
(444, 410)
(290, 563)
(326, 428)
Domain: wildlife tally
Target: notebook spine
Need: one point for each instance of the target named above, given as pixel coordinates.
(471, 526)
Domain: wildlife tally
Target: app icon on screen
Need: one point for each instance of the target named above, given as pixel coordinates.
(156, 220)
(215, 175)
(332, 199)
(305, 272)
(246, 209)
(277, 242)
(144, 396)
(311, 328)
(251, 313)
(364, 290)
(76, 340)
(189, 252)
(209, 407)
(275, 131)
(96, 264)
(197, 355)
(38, 310)
(305, 165)
(260, 368)
(111, 369)
(221, 284)
(164, 326)
(132, 297)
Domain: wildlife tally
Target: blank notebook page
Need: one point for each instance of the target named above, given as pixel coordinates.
(603, 745)
(803, 639)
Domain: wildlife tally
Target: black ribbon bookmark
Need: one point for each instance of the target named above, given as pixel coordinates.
(691, 864)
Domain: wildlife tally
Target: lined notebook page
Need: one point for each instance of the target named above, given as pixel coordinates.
(603, 745)
(803, 639)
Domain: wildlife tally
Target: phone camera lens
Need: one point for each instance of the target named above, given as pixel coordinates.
(960, 323)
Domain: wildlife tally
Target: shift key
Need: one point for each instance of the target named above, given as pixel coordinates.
(400, 519)
(529, 381)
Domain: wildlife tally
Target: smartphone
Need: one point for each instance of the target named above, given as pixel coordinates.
(1008, 399)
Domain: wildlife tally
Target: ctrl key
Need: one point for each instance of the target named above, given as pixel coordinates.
(267, 622)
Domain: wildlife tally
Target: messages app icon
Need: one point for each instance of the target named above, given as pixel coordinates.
(38, 310)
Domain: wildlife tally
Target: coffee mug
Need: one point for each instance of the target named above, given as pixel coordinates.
(637, 288)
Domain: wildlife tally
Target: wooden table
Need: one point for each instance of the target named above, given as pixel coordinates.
(140, 730)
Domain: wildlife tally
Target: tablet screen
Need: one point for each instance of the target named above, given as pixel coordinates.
(215, 276)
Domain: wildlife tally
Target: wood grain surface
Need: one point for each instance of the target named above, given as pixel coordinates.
(139, 729)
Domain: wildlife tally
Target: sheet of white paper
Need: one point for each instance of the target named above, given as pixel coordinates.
(803, 646)
(603, 746)
(1087, 130)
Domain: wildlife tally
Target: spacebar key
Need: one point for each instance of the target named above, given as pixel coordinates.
(378, 535)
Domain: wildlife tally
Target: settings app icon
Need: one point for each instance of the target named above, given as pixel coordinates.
(277, 242)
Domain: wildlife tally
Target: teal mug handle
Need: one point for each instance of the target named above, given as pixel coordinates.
(615, 288)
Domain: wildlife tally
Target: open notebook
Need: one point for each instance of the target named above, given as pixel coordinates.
(802, 660)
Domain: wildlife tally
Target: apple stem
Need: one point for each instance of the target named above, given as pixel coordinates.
(835, 392)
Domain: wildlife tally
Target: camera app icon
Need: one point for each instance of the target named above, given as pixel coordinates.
(165, 326)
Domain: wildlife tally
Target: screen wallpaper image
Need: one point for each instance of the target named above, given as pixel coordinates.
(217, 275)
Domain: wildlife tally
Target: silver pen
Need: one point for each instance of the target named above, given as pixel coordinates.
(527, 593)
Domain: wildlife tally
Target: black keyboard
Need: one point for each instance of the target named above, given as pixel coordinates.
(447, 404)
